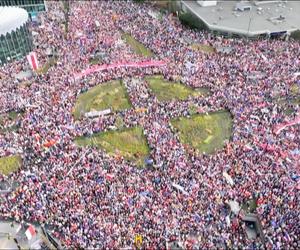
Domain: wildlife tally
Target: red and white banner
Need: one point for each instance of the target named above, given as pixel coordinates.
(97, 68)
(30, 232)
(281, 127)
(32, 59)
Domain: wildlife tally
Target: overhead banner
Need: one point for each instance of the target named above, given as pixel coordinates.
(98, 68)
(32, 59)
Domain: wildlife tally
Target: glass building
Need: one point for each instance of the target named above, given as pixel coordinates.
(32, 6)
(15, 37)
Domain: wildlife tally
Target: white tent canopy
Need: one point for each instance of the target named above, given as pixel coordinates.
(11, 18)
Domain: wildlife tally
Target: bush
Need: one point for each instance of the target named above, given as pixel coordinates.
(189, 20)
(296, 35)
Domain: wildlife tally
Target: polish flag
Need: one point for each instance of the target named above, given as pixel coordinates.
(30, 232)
(32, 59)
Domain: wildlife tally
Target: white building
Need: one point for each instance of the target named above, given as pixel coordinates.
(15, 38)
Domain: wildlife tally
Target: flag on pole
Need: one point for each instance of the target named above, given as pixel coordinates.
(32, 59)
(19, 228)
(30, 232)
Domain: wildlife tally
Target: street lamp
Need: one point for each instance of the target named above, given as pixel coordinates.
(250, 19)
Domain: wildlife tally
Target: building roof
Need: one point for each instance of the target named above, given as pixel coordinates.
(242, 5)
(264, 17)
(11, 18)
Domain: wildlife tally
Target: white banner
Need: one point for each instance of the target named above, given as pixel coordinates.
(97, 113)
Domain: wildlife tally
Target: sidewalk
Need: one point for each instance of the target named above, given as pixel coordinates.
(8, 234)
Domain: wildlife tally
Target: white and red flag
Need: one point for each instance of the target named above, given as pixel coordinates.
(32, 59)
(30, 232)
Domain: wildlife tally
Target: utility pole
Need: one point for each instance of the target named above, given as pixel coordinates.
(250, 19)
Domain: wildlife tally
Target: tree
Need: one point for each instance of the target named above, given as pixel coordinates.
(189, 20)
(66, 4)
(296, 35)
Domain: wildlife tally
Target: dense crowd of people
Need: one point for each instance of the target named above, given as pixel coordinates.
(95, 200)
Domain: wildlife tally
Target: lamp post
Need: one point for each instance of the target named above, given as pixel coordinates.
(250, 19)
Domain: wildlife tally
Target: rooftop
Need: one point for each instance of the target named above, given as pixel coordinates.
(264, 17)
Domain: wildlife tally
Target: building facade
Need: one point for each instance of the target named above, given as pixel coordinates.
(15, 37)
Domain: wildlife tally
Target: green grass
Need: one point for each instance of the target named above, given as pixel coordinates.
(10, 164)
(138, 48)
(94, 61)
(295, 89)
(206, 133)
(107, 95)
(129, 143)
(284, 103)
(13, 115)
(162, 4)
(166, 91)
(294, 101)
(44, 69)
(249, 206)
(203, 48)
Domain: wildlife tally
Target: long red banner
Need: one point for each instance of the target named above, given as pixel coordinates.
(98, 68)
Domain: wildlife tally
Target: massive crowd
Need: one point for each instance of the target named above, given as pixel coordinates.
(95, 200)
